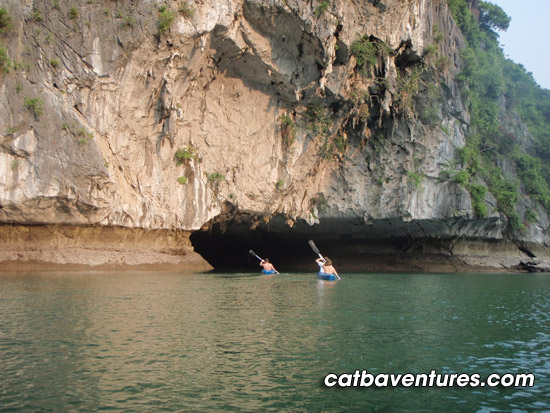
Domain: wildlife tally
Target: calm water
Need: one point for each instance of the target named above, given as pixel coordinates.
(203, 342)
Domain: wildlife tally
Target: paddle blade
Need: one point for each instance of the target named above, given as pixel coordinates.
(314, 247)
(254, 254)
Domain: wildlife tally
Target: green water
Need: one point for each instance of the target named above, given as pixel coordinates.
(205, 342)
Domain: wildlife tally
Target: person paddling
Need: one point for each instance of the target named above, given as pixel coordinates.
(325, 266)
(267, 265)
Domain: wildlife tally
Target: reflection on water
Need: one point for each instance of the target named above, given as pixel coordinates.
(145, 341)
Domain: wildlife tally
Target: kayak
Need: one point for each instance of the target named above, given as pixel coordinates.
(267, 272)
(325, 276)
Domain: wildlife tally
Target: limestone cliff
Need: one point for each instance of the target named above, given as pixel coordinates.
(165, 115)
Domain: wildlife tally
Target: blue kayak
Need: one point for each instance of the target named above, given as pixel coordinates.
(267, 272)
(325, 276)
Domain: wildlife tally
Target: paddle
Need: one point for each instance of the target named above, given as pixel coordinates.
(316, 250)
(261, 259)
(254, 254)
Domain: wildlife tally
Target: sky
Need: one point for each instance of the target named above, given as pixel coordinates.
(527, 39)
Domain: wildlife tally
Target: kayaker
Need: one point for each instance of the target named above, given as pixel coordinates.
(267, 265)
(320, 262)
(325, 266)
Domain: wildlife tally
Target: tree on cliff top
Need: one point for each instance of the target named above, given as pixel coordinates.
(493, 17)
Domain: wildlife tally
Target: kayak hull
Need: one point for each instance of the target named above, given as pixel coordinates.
(327, 277)
(267, 272)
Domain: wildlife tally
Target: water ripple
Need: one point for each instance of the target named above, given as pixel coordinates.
(202, 342)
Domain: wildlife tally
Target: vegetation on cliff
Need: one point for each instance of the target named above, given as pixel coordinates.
(493, 83)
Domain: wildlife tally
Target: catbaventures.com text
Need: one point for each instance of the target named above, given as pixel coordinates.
(362, 378)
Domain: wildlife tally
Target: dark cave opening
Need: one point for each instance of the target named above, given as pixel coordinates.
(352, 244)
(228, 250)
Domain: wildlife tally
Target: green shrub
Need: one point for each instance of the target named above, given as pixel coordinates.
(530, 171)
(477, 194)
(327, 150)
(185, 154)
(431, 49)
(5, 21)
(444, 175)
(20, 65)
(34, 105)
(438, 36)
(415, 178)
(531, 216)
(182, 180)
(128, 21)
(365, 52)
(408, 86)
(84, 134)
(166, 18)
(186, 10)
(341, 143)
(35, 16)
(6, 64)
(506, 204)
(442, 63)
(462, 178)
(318, 120)
(54, 62)
(332, 146)
(288, 129)
(215, 178)
(318, 200)
(321, 8)
(73, 13)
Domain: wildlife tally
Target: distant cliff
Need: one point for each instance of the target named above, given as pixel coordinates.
(340, 119)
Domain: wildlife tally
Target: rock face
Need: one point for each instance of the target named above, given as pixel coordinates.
(48, 247)
(239, 114)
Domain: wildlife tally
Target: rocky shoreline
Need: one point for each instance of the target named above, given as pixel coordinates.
(103, 248)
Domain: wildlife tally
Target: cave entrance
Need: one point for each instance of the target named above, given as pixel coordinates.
(348, 242)
(226, 247)
(353, 245)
